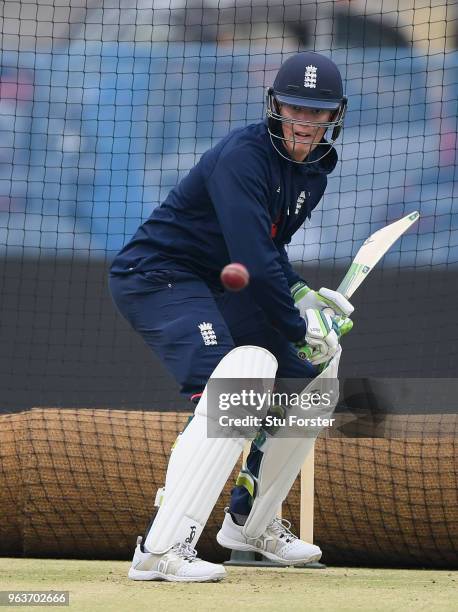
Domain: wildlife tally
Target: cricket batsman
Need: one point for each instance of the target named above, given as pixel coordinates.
(242, 202)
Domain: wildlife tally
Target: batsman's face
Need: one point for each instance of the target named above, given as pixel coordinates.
(302, 129)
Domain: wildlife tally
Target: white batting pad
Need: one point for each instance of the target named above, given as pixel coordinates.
(199, 466)
(283, 458)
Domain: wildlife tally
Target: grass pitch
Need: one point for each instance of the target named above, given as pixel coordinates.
(103, 585)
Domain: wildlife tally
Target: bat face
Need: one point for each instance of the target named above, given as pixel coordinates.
(372, 250)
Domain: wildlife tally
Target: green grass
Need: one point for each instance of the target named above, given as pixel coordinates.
(103, 585)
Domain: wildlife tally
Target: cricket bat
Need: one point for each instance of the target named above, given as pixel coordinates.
(370, 253)
(372, 250)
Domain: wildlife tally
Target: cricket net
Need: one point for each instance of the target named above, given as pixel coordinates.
(81, 484)
(104, 106)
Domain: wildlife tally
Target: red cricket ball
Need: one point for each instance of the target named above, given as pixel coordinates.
(235, 277)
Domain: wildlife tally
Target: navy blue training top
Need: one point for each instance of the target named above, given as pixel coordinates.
(242, 202)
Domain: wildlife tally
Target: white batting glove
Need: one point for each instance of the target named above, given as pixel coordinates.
(305, 298)
(322, 338)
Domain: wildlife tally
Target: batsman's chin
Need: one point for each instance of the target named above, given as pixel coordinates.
(299, 151)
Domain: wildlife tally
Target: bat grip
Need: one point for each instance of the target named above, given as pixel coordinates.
(305, 353)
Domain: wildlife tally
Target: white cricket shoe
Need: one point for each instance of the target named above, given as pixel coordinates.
(179, 564)
(277, 543)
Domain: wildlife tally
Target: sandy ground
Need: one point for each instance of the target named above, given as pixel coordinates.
(103, 585)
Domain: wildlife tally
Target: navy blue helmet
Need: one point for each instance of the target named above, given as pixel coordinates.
(308, 80)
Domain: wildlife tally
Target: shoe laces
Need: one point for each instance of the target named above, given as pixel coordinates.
(282, 528)
(185, 551)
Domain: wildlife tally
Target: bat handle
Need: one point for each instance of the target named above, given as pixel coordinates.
(305, 353)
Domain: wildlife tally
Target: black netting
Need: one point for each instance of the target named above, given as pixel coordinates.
(104, 106)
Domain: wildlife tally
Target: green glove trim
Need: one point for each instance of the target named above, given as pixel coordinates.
(323, 323)
(299, 290)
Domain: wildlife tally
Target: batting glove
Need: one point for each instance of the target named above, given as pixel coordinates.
(305, 298)
(321, 341)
